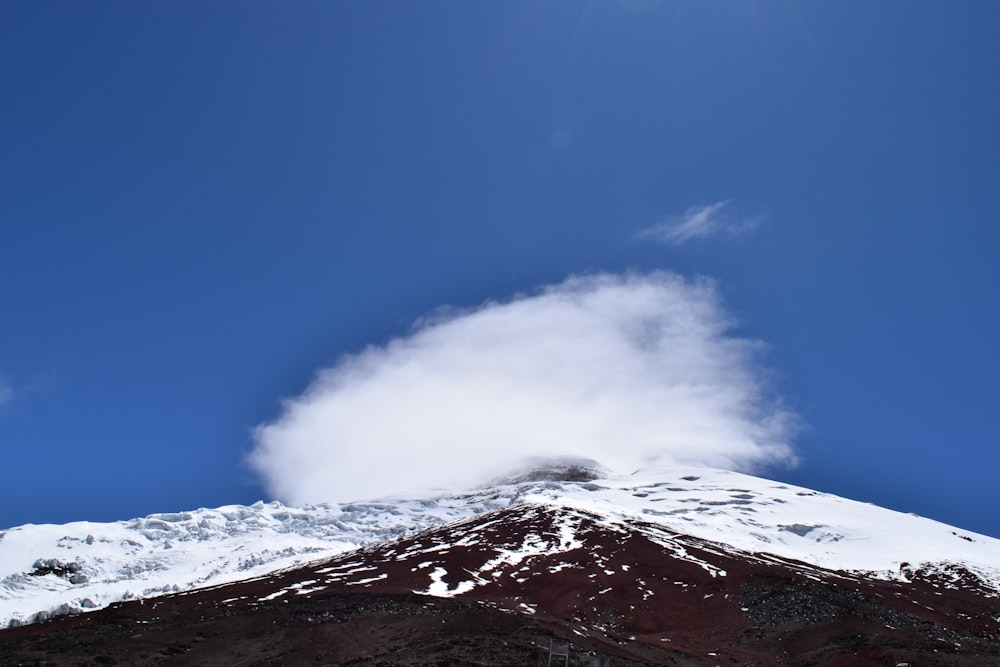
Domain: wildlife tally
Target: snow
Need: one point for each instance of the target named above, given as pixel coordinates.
(165, 553)
(440, 589)
(758, 515)
(46, 569)
(369, 580)
(273, 596)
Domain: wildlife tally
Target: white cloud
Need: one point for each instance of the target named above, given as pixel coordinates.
(625, 370)
(699, 222)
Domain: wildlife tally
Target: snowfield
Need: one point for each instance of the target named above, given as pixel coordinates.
(47, 570)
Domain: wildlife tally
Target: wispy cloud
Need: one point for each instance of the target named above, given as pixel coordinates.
(623, 369)
(6, 392)
(699, 222)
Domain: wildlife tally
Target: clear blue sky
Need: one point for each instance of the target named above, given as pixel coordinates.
(201, 203)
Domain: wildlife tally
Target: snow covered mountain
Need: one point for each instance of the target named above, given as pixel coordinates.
(48, 570)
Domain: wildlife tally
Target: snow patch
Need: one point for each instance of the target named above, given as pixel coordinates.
(440, 589)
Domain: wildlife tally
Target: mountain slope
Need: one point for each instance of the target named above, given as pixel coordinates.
(80, 566)
(622, 590)
(53, 569)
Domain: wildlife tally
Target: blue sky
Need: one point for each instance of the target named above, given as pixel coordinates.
(202, 204)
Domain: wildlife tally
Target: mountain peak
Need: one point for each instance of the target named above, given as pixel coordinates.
(552, 469)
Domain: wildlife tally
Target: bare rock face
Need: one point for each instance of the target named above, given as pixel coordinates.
(565, 469)
(497, 589)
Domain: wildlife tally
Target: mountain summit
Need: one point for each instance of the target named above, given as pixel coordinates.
(669, 565)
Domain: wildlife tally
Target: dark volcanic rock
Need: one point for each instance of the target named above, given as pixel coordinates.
(552, 470)
(347, 629)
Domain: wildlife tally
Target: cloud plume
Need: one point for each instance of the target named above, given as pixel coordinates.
(698, 222)
(623, 369)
